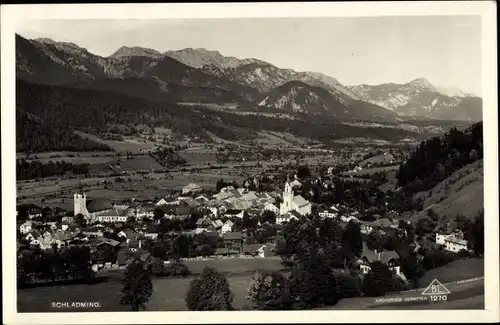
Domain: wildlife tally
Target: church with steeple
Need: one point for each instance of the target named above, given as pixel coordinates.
(292, 202)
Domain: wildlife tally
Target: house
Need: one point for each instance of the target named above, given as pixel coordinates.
(389, 258)
(190, 202)
(233, 241)
(151, 232)
(162, 201)
(227, 227)
(113, 215)
(35, 212)
(293, 202)
(258, 250)
(26, 227)
(272, 207)
(128, 234)
(145, 211)
(93, 231)
(50, 238)
(452, 241)
(327, 214)
(349, 218)
(287, 217)
(201, 199)
(234, 213)
(382, 223)
(203, 222)
(217, 224)
(191, 189)
(366, 228)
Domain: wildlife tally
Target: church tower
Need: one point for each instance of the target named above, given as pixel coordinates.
(287, 204)
(80, 203)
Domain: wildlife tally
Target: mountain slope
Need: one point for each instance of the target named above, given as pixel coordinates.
(135, 51)
(55, 63)
(200, 57)
(420, 98)
(299, 97)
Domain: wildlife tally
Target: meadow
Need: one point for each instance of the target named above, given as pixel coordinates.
(169, 293)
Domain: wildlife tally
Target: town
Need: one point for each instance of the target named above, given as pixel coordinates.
(266, 218)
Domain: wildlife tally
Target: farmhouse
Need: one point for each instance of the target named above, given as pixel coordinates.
(387, 257)
(26, 227)
(233, 241)
(227, 227)
(293, 202)
(191, 189)
(292, 215)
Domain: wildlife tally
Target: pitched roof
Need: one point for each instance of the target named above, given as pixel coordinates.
(191, 202)
(115, 213)
(103, 240)
(384, 256)
(300, 201)
(233, 211)
(383, 222)
(229, 223)
(191, 186)
(96, 205)
(233, 235)
(252, 248)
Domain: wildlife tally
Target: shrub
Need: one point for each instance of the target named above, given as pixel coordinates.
(209, 292)
(269, 291)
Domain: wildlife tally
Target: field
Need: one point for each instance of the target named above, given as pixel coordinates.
(59, 193)
(130, 144)
(462, 192)
(455, 271)
(169, 293)
(378, 159)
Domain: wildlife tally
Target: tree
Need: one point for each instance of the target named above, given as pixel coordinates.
(375, 241)
(210, 291)
(269, 291)
(80, 220)
(268, 216)
(138, 286)
(303, 172)
(158, 214)
(378, 281)
(478, 233)
(412, 269)
(352, 238)
(473, 155)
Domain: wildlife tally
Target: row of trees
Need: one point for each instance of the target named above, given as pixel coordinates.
(36, 169)
(54, 264)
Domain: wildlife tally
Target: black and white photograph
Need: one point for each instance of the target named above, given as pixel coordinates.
(231, 163)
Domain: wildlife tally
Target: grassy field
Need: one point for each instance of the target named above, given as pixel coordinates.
(378, 159)
(198, 156)
(463, 193)
(371, 171)
(455, 271)
(130, 144)
(169, 293)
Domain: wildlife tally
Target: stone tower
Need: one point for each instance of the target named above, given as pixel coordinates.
(80, 204)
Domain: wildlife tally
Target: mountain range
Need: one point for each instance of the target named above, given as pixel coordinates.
(204, 76)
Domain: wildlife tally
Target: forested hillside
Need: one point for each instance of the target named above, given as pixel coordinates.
(437, 158)
(38, 135)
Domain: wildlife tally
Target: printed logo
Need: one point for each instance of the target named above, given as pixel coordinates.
(435, 288)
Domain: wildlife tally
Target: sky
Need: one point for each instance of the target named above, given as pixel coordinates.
(446, 50)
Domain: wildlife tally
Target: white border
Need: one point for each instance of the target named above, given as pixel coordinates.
(12, 14)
